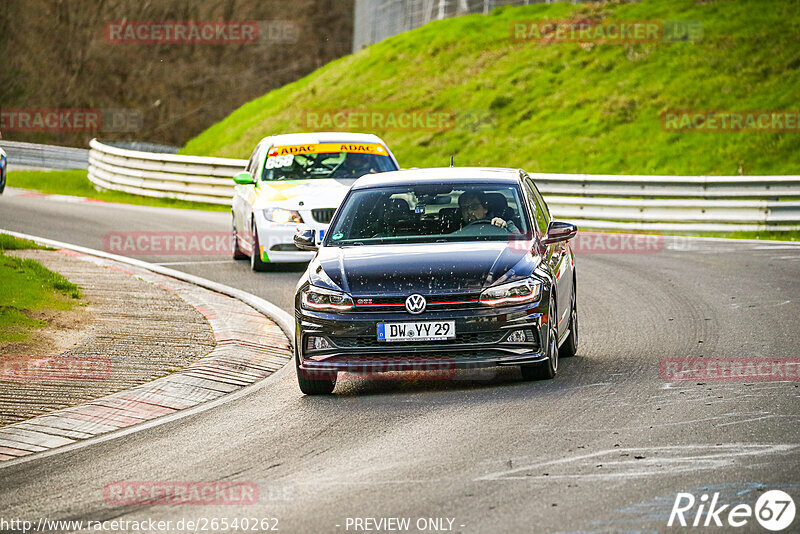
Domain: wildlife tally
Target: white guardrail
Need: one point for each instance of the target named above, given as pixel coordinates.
(655, 203)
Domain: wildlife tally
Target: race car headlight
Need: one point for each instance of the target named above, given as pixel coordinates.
(527, 290)
(281, 215)
(316, 298)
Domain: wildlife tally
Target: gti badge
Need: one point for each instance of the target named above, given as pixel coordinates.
(416, 304)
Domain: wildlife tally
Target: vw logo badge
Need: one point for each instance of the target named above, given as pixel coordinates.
(416, 304)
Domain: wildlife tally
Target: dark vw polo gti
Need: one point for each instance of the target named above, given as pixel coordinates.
(420, 269)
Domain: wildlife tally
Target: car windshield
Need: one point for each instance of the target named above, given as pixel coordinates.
(328, 160)
(429, 213)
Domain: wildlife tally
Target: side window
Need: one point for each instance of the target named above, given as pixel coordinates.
(253, 158)
(539, 212)
(260, 169)
(542, 203)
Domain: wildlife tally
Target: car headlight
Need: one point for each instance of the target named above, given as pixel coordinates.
(316, 298)
(282, 216)
(527, 290)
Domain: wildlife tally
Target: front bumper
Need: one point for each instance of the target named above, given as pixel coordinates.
(481, 335)
(276, 241)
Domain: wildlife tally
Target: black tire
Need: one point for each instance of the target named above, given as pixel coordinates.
(238, 253)
(547, 369)
(255, 257)
(316, 385)
(2, 180)
(570, 346)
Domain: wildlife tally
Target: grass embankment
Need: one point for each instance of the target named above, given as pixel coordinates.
(28, 289)
(76, 183)
(559, 107)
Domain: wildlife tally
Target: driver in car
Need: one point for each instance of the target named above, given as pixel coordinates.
(474, 208)
(357, 165)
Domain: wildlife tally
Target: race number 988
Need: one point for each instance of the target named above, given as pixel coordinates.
(278, 162)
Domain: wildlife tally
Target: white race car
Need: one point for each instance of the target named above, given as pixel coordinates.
(295, 182)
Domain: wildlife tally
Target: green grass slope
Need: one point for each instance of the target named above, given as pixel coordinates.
(28, 287)
(559, 107)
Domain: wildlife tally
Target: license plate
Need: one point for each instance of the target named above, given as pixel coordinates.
(424, 331)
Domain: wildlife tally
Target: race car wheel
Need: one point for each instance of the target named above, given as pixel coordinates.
(570, 346)
(255, 257)
(547, 369)
(238, 254)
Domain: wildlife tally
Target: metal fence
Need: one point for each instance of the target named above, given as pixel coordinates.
(375, 20)
(612, 202)
(31, 155)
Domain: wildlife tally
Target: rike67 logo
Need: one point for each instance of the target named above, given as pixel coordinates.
(774, 510)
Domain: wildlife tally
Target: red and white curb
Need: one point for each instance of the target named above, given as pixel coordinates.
(29, 193)
(250, 347)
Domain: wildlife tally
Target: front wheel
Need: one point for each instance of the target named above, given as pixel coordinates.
(314, 383)
(570, 346)
(547, 369)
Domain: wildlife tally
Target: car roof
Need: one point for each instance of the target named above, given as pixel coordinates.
(439, 175)
(322, 137)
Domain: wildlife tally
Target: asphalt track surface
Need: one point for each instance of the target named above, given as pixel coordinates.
(606, 446)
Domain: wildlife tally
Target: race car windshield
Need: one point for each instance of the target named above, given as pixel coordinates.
(430, 214)
(324, 165)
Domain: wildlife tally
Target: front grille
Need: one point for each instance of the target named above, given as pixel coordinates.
(359, 342)
(323, 215)
(435, 303)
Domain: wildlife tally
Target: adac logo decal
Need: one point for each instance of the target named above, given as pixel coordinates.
(296, 149)
(328, 148)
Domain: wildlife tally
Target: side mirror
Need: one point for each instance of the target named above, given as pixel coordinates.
(559, 231)
(244, 178)
(305, 240)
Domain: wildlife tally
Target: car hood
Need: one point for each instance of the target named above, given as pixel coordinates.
(427, 268)
(319, 192)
